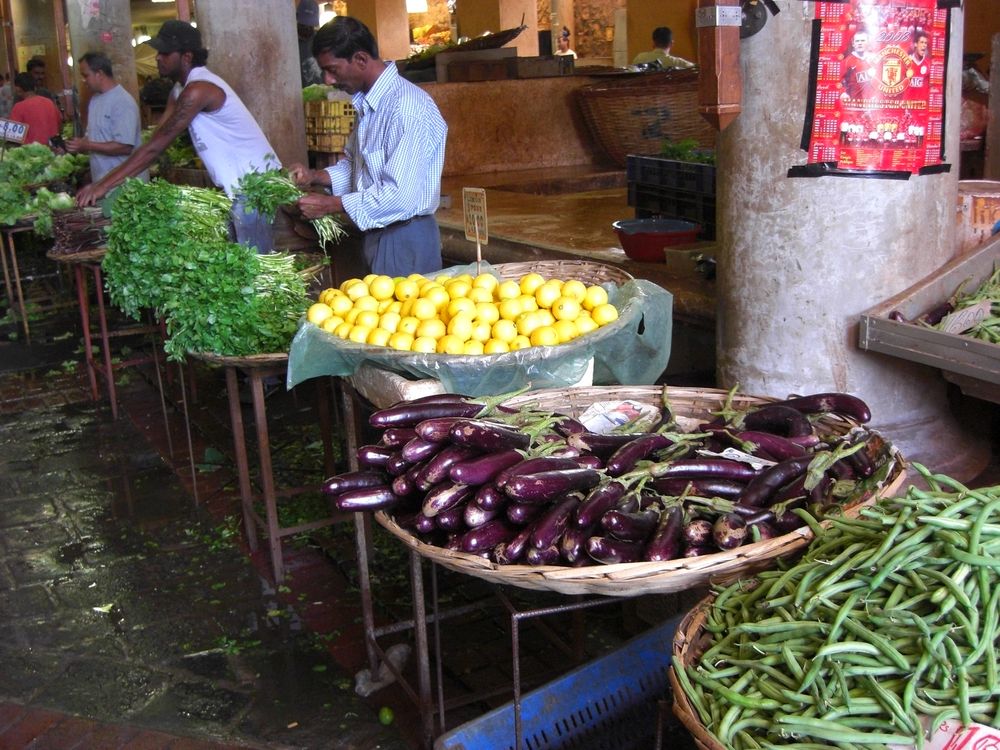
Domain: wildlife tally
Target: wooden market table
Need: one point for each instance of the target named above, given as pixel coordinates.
(255, 369)
(12, 274)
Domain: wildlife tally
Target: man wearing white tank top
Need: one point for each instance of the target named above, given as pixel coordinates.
(224, 133)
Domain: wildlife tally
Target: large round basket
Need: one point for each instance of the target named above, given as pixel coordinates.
(633, 579)
(566, 270)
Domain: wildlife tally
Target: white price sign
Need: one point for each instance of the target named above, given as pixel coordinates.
(474, 209)
(11, 130)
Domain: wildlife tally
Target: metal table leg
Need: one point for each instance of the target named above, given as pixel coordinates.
(82, 299)
(240, 451)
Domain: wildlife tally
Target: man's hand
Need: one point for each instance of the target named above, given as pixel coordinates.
(88, 195)
(316, 205)
(77, 145)
(301, 175)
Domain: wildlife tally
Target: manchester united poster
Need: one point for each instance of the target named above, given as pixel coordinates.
(878, 101)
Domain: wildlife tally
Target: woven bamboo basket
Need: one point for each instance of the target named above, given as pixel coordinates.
(632, 579)
(688, 647)
(636, 115)
(565, 270)
(487, 41)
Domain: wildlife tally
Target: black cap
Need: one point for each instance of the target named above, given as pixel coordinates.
(176, 36)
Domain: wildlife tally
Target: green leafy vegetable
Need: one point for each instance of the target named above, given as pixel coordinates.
(265, 191)
(687, 149)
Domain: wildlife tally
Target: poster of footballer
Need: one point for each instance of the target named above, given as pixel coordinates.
(878, 98)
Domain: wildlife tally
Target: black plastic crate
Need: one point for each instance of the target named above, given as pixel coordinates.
(650, 202)
(655, 171)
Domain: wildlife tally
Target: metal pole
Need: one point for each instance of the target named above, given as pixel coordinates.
(183, 10)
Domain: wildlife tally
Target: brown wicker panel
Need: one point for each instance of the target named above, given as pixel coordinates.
(689, 645)
(565, 270)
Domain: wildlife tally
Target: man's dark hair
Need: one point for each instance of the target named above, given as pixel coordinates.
(98, 62)
(343, 37)
(35, 62)
(24, 81)
(663, 37)
(920, 34)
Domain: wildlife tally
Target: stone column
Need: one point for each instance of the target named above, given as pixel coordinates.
(388, 21)
(801, 259)
(476, 17)
(258, 55)
(108, 30)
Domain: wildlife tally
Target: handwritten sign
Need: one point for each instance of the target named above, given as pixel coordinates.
(962, 320)
(474, 209)
(951, 735)
(11, 130)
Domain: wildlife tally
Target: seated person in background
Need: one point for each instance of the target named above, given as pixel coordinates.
(39, 113)
(663, 39)
(562, 44)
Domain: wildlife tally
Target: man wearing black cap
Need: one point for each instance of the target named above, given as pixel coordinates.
(306, 21)
(224, 133)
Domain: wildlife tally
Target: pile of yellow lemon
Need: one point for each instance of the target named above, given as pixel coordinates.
(461, 314)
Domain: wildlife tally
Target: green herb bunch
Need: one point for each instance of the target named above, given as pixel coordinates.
(25, 168)
(266, 191)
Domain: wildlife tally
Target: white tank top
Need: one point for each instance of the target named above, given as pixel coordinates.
(229, 140)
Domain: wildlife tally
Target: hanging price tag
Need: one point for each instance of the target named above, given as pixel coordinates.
(962, 320)
(474, 209)
(11, 130)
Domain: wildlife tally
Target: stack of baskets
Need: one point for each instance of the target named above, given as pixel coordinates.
(328, 123)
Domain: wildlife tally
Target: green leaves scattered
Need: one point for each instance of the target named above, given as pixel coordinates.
(265, 191)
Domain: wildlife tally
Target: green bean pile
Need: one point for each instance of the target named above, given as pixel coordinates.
(887, 618)
(988, 329)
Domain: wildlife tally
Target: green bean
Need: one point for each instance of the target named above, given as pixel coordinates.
(732, 696)
(973, 559)
(876, 640)
(836, 731)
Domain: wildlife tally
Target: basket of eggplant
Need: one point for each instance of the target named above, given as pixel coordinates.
(616, 490)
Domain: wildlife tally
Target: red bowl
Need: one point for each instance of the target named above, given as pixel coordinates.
(644, 239)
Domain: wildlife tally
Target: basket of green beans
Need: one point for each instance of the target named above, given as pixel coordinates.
(885, 628)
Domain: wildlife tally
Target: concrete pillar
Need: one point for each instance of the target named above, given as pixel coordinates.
(34, 34)
(476, 17)
(106, 28)
(258, 55)
(388, 21)
(801, 259)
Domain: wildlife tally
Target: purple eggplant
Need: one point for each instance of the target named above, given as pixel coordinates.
(777, 418)
(589, 461)
(643, 446)
(698, 533)
(353, 480)
(760, 491)
(707, 487)
(703, 468)
(667, 541)
(836, 403)
(787, 521)
(436, 470)
(366, 499)
(861, 462)
(475, 516)
(604, 549)
(630, 527)
(699, 550)
(424, 524)
(444, 496)
(547, 556)
(897, 317)
(488, 497)
(397, 437)
(483, 469)
(522, 513)
(418, 449)
(820, 494)
(729, 531)
(436, 398)
(374, 455)
(436, 430)
(791, 491)
(397, 465)
(567, 426)
(600, 500)
(487, 436)
(513, 551)
(452, 519)
(936, 314)
(403, 485)
(531, 465)
(600, 445)
(486, 537)
(550, 526)
(775, 446)
(761, 531)
(545, 485)
(410, 415)
(573, 545)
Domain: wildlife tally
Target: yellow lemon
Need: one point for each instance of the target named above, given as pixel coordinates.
(495, 346)
(406, 289)
(389, 321)
(548, 293)
(424, 344)
(482, 331)
(401, 341)
(574, 290)
(432, 328)
(379, 337)
(346, 283)
(438, 295)
(460, 326)
(384, 305)
(458, 288)
(461, 305)
(566, 329)
(442, 278)
(449, 344)
(318, 312)
(352, 315)
(326, 295)
(405, 308)
(418, 277)
(382, 287)
(596, 295)
(510, 308)
(395, 307)
(359, 334)
(530, 282)
(341, 304)
(367, 302)
(585, 324)
(367, 318)
(544, 336)
(508, 290)
(463, 277)
(545, 317)
(504, 330)
(528, 303)
(331, 324)
(566, 308)
(408, 324)
(344, 329)
(604, 314)
(527, 322)
(479, 294)
(423, 309)
(473, 347)
(520, 342)
(487, 311)
(357, 290)
(369, 277)
(486, 281)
